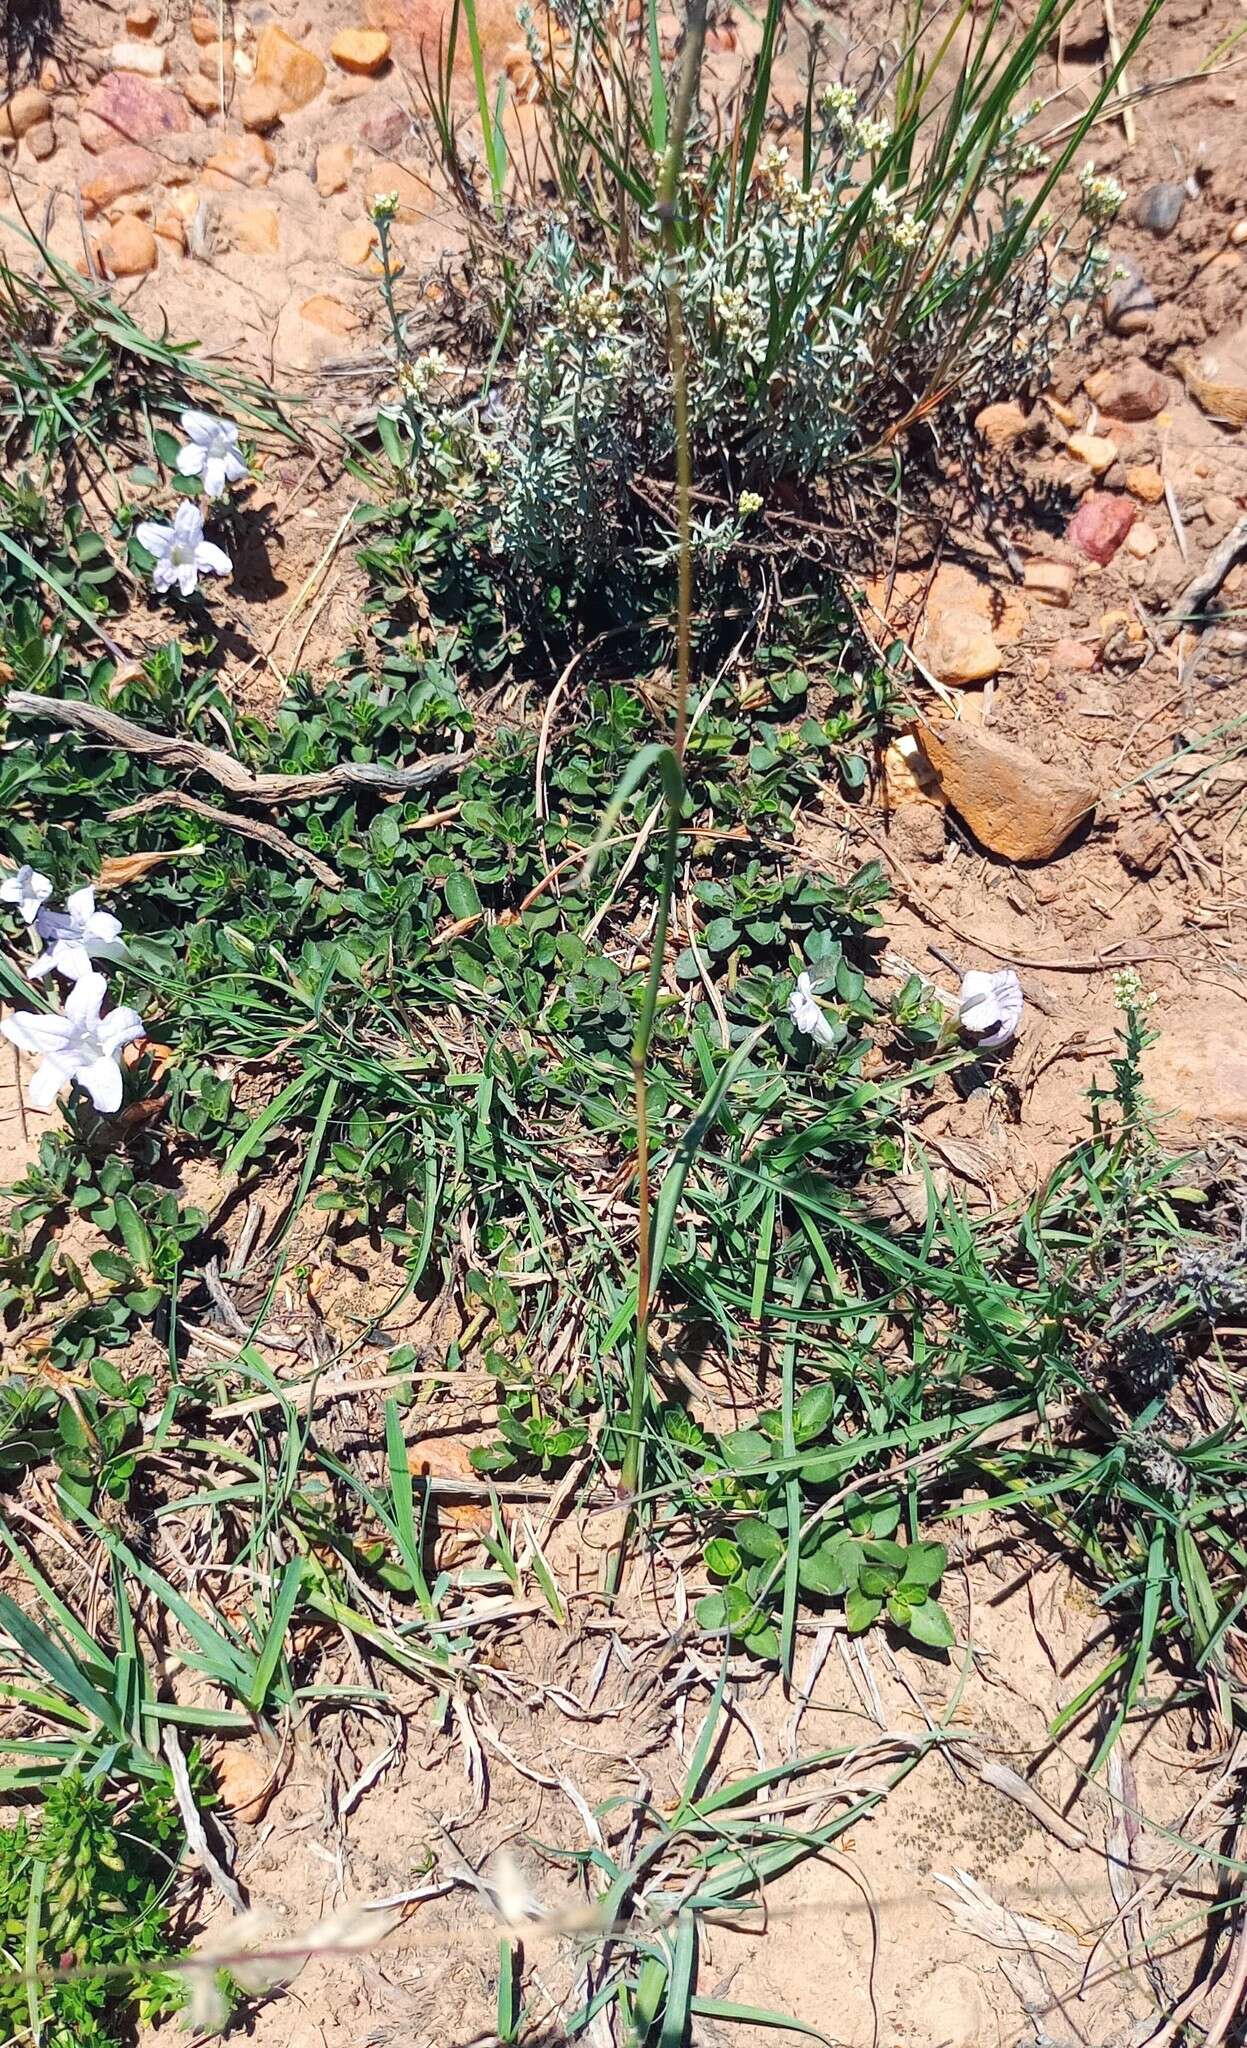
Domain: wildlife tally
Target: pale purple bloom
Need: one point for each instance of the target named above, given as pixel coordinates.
(180, 552)
(807, 1015)
(989, 1008)
(211, 452)
(76, 939)
(28, 890)
(77, 1044)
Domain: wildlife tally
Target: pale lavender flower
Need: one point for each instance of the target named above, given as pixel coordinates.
(77, 1044)
(76, 939)
(180, 552)
(211, 452)
(28, 890)
(989, 1008)
(807, 1014)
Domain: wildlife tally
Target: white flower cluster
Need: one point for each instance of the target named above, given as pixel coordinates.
(179, 552)
(858, 132)
(76, 1043)
(1102, 197)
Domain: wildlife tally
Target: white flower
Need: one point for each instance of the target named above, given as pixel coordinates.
(989, 1008)
(807, 1015)
(181, 553)
(211, 452)
(77, 1044)
(28, 890)
(86, 934)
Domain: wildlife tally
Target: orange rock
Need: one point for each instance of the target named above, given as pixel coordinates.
(246, 1783)
(1146, 483)
(142, 19)
(363, 50)
(171, 227)
(242, 160)
(1014, 803)
(185, 202)
(27, 109)
(41, 141)
(297, 73)
(331, 314)
(1074, 654)
(334, 164)
(1001, 425)
(259, 108)
(216, 60)
(201, 93)
(256, 230)
(413, 197)
(129, 247)
(203, 28)
(957, 646)
(1050, 582)
(1096, 450)
(356, 244)
(418, 27)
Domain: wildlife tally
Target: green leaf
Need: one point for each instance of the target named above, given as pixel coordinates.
(759, 1540)
(815, 1411)
(829, 1571)
(722, 1558)
(930, 1625)
(721, 935)
(925, 1564)
(860, 1610)
(745, 1447)
(711, 1612)
(461, 896)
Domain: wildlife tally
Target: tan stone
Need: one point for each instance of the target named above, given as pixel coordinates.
(201, 93)
(1074, 654)
(41, 141)
(185, 202)
(128, 169)
(363, 50)
(1063, 414)
(329, 313)
(356, 244)
(957, 646)
(246, 1783)
(296, 72)
(259, 108)
(142, 19)
(27, 109)
(1017, 805)
(1141, 541)
(1096, 450)
(129, 247)
(1001, 425)
(1051, 582)
(50, 76)
(171, 227)
(148, 59)
(413, 197)
(203, 28)
(242, 161)
(215, 60)
(418, 29)
(1145, 483)
(334, 164)
(256, 230)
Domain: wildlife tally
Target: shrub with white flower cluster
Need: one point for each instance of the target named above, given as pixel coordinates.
(819, 308)
(180, 554)
(77, 1043)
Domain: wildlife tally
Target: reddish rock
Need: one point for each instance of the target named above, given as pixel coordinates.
(384, 127)
(1134, 392)
(418, 27)
(1100, 525)
(293, 71)
(118, 171)
(1014, 803)
(242, 161)
(125, 107)
(129, 247)
(1073, 654)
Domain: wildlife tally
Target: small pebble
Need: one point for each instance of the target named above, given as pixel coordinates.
(1159, 208)
(1129, 301)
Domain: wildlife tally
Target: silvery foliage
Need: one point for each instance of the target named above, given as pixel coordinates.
(814, 322)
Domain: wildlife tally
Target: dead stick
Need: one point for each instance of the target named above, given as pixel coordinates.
(1209, 580)
(222, 768)
(250, 828)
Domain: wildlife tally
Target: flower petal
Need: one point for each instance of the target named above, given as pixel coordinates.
(188, 524)
(214, 476)
(81, 907)
(162, 576)
(191, 459)
(38, 1031)
(187, 578)
(102, 1081)
(202, 427)
(212, 560)
(235, 468)
(45, 1084)
(85, 1000)
(121, 1027)
(155, 538)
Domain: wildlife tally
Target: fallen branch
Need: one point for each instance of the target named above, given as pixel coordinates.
(1208, 582)
(250, 828)
(222, 768)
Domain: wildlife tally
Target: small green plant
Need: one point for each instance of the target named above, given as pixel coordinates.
(86, 1927)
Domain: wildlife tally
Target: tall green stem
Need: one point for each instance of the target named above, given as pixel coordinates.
(668, 195)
